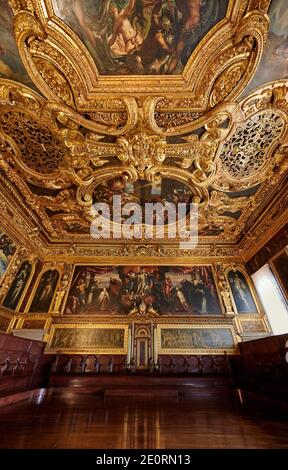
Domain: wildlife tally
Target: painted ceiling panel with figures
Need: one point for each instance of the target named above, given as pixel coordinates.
(141, 37)
(144, 99)
(274, 61)
(11, 65)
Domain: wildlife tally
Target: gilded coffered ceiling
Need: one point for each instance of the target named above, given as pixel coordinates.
(153, 100)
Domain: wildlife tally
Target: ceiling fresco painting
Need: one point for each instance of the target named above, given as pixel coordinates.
(189, 48)
(143, 192)
(141, 37)
(11, 65)
(274, 61)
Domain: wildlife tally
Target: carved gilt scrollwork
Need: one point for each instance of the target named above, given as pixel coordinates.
(50, 145)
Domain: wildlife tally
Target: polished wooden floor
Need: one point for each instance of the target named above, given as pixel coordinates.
(71, 420)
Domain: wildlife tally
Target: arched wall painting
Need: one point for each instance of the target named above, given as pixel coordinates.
(18, 285)
(7, 250)
(143, 37)
(45, 292)
(243, 298)
(118, 290)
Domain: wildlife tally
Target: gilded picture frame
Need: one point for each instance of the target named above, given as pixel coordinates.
(251, 325)
(27, 285)
(12, 260)
(196, 350)
(32, 295)
(51, 349)
(258, 309)
(153, 263)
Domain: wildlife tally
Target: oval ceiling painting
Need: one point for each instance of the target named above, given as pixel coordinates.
(141, 37)
(143, 195)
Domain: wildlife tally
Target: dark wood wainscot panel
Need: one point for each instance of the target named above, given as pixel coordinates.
(264, 370)
(23, 365)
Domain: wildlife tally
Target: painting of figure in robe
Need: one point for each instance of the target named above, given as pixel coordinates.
(97, 290)
(141, 37)
(45, 292)
(7, 250)
(17, 287)
(241, 292)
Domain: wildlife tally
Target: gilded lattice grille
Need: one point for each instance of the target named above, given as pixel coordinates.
(40, 150)
(245, 153)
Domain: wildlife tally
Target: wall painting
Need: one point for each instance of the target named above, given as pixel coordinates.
(7, 250)
(118, 290)
(197, 339)
(252, 326)
(241, 292)
(45, 291)
(17, 287)
(96, 339)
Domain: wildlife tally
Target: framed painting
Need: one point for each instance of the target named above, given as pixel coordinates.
(11, 65)
(200, 339)
(280, 270)
(40, 321)
(88, 338)
(117, 290)
(243, 298)
(141, 37)
(7, 250)
(274, 60)
(18, 287)
(44, 293)
(251, 325)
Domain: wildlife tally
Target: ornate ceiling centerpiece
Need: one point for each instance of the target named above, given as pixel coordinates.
(220, 166)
